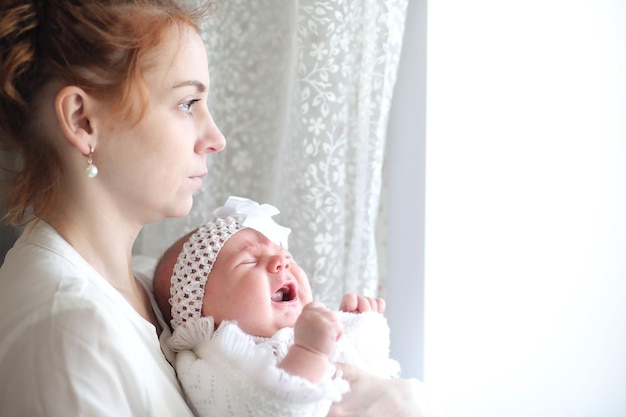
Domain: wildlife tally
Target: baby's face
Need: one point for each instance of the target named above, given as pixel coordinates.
(257, 284)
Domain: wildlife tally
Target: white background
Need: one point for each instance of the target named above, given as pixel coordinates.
(507, 206)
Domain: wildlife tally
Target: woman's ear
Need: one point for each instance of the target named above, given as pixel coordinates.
(71, 107)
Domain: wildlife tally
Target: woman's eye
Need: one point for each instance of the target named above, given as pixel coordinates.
(187, 105)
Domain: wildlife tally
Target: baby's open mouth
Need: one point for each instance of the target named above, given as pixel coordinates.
(286, 293)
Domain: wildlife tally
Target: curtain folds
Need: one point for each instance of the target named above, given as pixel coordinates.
(302, 91)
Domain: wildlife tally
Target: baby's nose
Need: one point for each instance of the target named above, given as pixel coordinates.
(278, 263)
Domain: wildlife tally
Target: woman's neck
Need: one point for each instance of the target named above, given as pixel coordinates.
(107, 246)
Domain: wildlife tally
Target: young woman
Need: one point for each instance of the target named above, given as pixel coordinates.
(105, 102)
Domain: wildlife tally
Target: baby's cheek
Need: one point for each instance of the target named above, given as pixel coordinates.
(305, 293)
(305, 296)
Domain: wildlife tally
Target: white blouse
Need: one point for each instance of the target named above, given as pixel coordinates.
(71, 345)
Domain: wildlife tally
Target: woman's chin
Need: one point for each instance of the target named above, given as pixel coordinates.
(181, 210)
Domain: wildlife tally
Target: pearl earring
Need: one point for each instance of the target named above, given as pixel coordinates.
(91, 171)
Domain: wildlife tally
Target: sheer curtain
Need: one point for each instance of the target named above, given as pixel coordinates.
(302, 90)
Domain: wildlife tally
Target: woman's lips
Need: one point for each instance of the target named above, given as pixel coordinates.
(197, 179)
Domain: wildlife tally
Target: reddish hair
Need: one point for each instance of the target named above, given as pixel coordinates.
(95, 45)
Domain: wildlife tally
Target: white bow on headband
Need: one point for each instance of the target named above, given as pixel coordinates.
(255, 216)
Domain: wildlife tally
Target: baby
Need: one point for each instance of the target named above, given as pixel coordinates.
(250, 340)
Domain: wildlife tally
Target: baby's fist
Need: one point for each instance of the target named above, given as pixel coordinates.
(317, 329)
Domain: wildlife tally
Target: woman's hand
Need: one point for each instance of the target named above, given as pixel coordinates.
(372, 396)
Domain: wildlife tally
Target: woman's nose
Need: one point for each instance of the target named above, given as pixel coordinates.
(211, 138)
(278, 263)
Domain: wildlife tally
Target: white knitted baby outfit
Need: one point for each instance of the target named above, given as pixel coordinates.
(227, 372)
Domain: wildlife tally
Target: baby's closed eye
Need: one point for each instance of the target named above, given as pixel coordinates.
(247, 261)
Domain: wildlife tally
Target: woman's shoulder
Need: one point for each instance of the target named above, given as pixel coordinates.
(44, 280)
(41, 265)
(40, 248)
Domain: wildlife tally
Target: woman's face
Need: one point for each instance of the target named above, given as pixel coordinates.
(256, 283)
(156, 165)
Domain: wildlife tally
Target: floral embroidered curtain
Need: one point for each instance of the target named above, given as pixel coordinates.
(302, 90)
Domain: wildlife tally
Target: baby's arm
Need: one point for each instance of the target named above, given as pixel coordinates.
(365, 343)
(353, 303)
(315, 334)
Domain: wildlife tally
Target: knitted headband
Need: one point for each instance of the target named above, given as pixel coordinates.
(200, 251)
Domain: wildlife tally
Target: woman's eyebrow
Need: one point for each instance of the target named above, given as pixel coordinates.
(194, 83)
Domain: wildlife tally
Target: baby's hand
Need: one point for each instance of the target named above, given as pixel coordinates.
(317, 329)
(353, 303)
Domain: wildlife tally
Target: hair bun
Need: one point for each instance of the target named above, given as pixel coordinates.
(17, 47)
